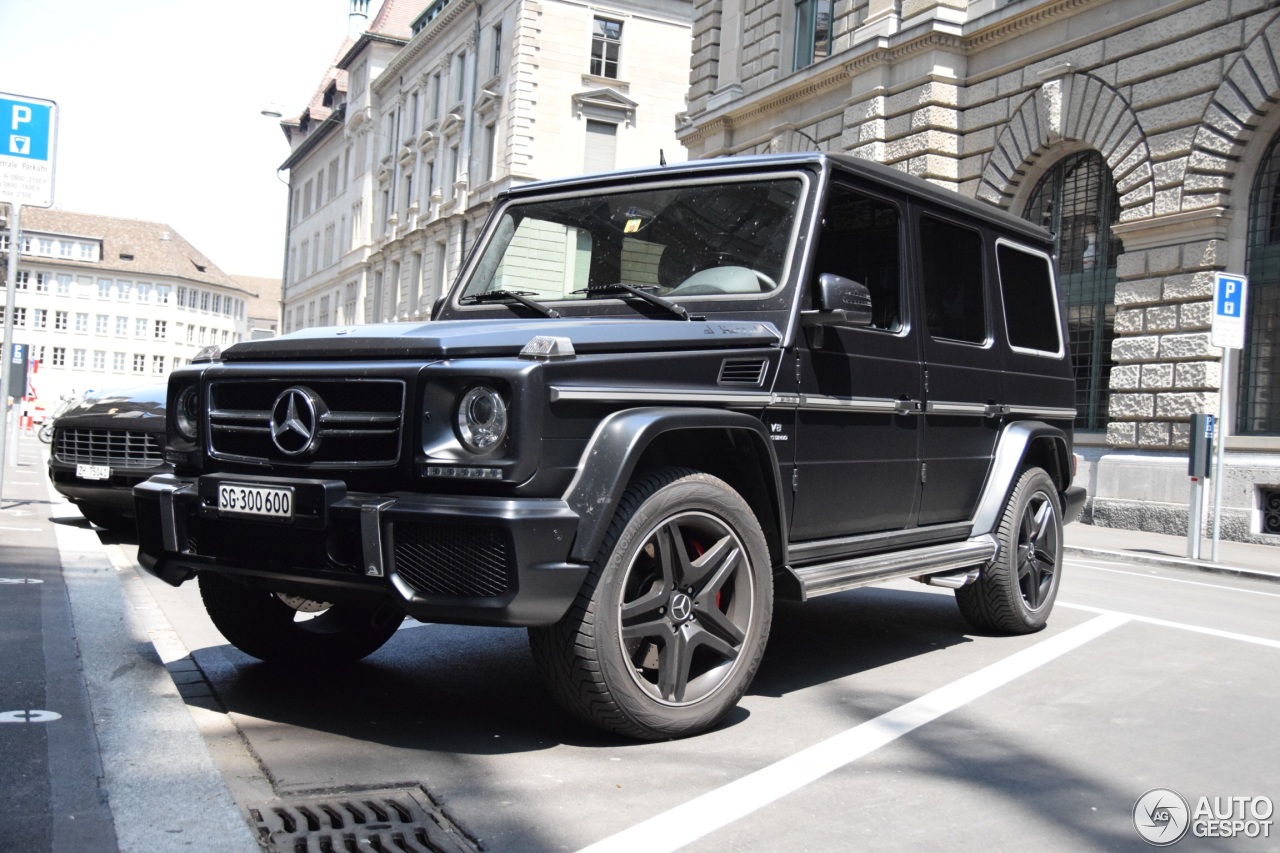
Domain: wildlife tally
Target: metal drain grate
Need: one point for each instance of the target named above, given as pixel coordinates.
(399, 820)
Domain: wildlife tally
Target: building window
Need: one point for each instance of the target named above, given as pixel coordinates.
(157, 364)
(100, 322)
(490, 152)
(104, 288)
(59, 321)
(495, 67)
(77, 358)
(87, 252)
(1077, 201)
(162, 294)
(601, 147)
(59, 356)
(64, 284)
(42, 282)
(99, 359)
(39, 318)
(82, 322)
(162, 330)
(124, 290)
(139, 363)
(1258, 390)
(22, 280)
(64, 248)
(117, 362)
(144, 291)
(122, 326)
(140, 327)
(813, 32)
(606, 41)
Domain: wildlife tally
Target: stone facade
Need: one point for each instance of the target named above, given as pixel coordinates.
(1178, 98)
(436, 108)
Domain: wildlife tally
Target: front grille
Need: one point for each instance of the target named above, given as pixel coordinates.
(119, 448)
(358, 423)
(452, 559)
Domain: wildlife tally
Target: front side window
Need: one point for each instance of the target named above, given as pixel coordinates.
(860, 240)
(813, 32)
(606, 43)
(678, 241)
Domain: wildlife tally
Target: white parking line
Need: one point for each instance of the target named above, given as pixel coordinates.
(1181, 626)
(1153, 576)
(690, 821)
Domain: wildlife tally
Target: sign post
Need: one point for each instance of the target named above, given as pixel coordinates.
(1230, 302)
(28, 141)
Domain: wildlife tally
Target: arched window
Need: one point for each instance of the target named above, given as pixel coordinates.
(1077, 201)
(1258, 411)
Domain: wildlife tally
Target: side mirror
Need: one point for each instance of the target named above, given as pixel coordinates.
(840, 302)
(439, 303)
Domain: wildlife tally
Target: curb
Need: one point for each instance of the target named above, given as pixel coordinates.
(1173, 563)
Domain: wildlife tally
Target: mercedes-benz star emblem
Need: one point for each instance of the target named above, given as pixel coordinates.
(681, 607)
(295, 421)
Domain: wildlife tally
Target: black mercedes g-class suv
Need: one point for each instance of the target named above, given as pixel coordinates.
(652, 402)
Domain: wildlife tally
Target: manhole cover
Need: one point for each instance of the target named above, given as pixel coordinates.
(383, 820)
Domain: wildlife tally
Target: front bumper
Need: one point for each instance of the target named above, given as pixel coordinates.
(466, 560)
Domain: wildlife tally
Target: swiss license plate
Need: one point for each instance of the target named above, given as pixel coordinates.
(93, 472)
(261, 501)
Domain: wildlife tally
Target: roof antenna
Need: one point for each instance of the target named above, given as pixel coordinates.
(662, 157)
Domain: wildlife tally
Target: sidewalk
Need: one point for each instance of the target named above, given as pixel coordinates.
(115, 759)
(1234, 558)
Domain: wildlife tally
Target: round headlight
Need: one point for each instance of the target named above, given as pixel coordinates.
(482, 419)
(186, 415)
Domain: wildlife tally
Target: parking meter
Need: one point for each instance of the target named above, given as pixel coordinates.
(1200, 462)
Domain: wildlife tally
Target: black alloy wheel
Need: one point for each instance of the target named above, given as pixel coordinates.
(669, 627)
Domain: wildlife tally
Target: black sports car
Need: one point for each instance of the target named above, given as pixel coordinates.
(103, 445)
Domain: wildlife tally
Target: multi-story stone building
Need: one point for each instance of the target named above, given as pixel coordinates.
(103, 302)
(435, 107)
(1142, 132)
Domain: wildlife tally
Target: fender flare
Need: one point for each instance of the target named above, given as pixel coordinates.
(609, 462)
(1011, 449)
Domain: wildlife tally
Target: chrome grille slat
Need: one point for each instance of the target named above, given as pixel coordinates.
(361, 427)
(119, 448)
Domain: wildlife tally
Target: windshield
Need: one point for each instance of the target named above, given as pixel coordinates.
(698, 240)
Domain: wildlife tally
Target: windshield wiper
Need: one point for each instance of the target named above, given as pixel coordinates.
(521, 296)
(619, 289)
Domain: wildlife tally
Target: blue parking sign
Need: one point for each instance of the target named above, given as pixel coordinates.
(1229, 305)
(24, 129)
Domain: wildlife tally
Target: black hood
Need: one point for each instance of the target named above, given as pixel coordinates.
(498, 338)
(145, 403)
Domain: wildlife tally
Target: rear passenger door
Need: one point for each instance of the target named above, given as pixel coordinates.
(963, 377)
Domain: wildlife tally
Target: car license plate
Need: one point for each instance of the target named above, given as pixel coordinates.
(261, 501)
(93, 472)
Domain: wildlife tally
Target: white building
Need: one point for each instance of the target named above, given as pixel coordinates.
(435, 108)
(105, 302)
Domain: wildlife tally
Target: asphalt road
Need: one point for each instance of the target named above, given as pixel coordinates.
(878, 721)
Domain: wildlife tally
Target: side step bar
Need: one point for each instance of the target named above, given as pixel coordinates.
(826, 578)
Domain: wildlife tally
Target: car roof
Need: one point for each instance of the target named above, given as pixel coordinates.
(835, 163)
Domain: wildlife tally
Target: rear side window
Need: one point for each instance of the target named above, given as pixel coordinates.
(951, 268)
(1031, 317)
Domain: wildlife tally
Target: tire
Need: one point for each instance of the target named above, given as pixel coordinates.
(117, 522)
(670, 625)
(45, 433)
(1015, 594)
(267, 626)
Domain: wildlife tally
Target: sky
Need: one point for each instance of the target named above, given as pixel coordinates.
(160, 109)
